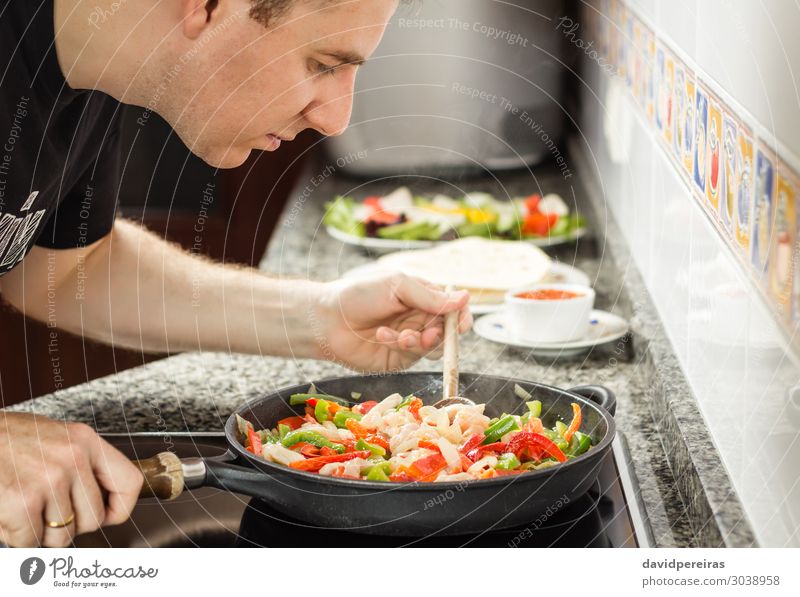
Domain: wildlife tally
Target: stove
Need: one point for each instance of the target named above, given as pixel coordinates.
(609, 515)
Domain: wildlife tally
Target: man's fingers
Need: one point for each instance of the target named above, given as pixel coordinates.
(90, 509)
(418, 295)
(117, 475)
(59, 510)
(23, 520)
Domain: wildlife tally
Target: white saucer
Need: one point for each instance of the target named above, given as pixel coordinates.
(605, 327)
(560, 273)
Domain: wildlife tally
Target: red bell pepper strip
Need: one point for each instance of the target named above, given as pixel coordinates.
(362, 433)
(326, 451)
(429, 445)
(255, 442)
(339, 472)
(525, 440)
(292, 422)
(471, 443)
(364, 407)
(477, 453)
(414, 407)
(427, 468)
(314, 464)
(401, 475)
(311, 451)
(576, 422)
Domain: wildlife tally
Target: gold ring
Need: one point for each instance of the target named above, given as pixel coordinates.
(61, 525)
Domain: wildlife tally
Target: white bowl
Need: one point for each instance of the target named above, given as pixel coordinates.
(550, 320)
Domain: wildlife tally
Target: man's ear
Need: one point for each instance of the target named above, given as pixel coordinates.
(196, 15)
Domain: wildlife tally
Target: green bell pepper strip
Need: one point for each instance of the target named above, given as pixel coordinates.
(310, 437)
(579, 444)
(561, 428)
(376, 450)
(494, 432)
(267, 437)
(341, 416)
(297, 399)
(322, 411)
(283, 430)
(535, 408)
(507, 462)
(376, 473)
(406, 401)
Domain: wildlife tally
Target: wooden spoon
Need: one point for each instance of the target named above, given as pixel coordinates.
(450, 360)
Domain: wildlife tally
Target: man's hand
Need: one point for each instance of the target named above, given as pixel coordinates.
(50, 471)
(385, 323)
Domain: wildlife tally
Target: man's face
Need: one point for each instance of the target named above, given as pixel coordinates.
(242, 86)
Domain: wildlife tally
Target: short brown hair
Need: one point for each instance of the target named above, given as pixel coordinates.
(267, 12)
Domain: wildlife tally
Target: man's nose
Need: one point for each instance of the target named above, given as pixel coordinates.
(330, 113)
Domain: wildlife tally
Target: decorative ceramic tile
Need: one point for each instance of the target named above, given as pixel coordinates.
(688, 126)
(744, 187)
(728, 181)
(784, 238)
(762, 210)
(714, 154)
(700, 139)
(669, 84)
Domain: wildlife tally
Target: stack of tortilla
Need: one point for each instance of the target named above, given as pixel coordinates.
(487, 268)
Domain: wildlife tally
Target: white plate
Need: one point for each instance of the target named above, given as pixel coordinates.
(604, 327)
(560, 273)
(388, 245)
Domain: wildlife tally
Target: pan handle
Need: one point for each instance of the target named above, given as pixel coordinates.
(166, 475)
(599, 395)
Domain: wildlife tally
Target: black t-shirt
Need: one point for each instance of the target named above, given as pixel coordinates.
(60, 162)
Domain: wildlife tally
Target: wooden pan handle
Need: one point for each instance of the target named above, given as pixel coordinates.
(450, 379)
(163, 476)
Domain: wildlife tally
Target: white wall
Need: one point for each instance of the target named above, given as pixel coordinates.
(729, 344)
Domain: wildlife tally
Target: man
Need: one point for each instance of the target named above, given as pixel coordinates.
(229, 76)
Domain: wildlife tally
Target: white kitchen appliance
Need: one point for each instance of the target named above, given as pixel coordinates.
(459, 85)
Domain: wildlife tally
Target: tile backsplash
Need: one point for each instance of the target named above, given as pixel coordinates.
(744, 178)
(690, 117)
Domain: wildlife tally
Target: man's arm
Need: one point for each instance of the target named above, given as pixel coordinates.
(135, 290)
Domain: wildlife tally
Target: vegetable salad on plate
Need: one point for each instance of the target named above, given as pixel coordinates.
(400, 439)
(401, 216)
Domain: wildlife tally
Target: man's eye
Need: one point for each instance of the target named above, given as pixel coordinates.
(324, 69)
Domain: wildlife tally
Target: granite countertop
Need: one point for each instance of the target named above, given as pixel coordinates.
(197, 392)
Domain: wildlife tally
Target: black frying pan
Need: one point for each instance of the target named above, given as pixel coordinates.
(415, 509)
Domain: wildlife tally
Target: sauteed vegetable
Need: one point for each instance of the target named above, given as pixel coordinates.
(400, 439)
